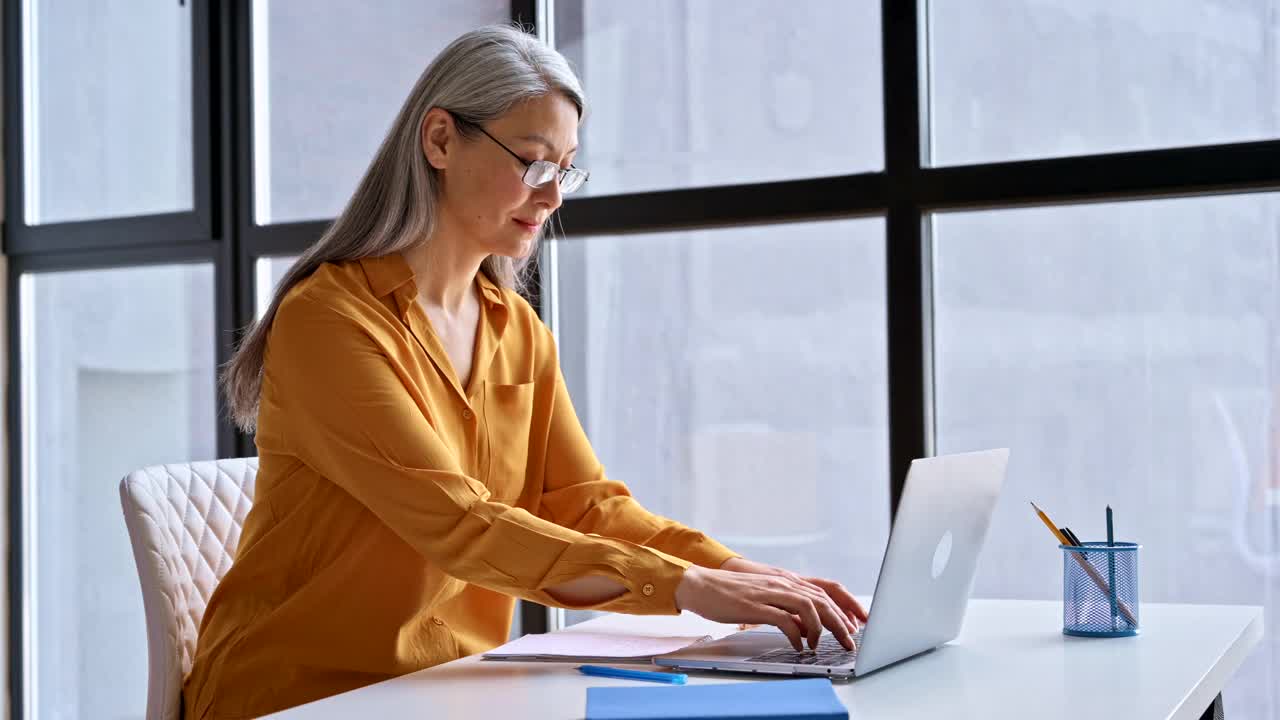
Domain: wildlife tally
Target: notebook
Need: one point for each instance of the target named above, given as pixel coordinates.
(590, 647)
(812, 699)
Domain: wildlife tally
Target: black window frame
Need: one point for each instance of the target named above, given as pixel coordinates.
(220, 228)
(184, 227)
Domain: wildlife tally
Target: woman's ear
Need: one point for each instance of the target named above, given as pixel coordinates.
(438, 133)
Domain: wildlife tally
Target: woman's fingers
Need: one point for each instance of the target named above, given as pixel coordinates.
(799, 604)
(836, 621)
(799, 608)
(843, 598)
(848, 605)
(737, 597)
(821, 598)
(833, 615)
(786, 622)
(816, 610)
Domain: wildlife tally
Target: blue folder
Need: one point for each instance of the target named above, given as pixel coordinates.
(812, 699)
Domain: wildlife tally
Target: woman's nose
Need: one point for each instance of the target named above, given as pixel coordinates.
(549, 194)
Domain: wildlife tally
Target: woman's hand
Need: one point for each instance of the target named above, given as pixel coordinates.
(844, 599)
(798, 608)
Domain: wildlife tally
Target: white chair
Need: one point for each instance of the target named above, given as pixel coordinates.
(184, 522)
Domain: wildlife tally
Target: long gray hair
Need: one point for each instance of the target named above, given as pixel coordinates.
(478, 77)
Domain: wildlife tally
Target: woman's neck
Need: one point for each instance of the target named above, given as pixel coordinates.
(444, 275)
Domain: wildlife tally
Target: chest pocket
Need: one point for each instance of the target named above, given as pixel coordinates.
(508, 411)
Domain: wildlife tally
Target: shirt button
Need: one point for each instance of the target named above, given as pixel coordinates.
(647, 589)
(467, 414)
(437, 621)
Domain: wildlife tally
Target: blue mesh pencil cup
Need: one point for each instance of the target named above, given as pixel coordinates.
(1100, 589)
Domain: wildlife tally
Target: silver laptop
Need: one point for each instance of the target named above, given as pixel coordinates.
(920, 598)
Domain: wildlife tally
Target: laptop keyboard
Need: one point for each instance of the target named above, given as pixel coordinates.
(829, 652)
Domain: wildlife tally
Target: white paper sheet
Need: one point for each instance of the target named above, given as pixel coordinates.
(589, 647)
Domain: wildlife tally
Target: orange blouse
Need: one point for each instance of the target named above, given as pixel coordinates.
(398, 514)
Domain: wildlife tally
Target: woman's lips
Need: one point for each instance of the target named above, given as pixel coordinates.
(526, 225)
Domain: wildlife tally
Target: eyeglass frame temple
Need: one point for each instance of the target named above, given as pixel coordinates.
(527, 164)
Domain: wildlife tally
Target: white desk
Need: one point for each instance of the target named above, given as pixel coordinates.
(1011, 660)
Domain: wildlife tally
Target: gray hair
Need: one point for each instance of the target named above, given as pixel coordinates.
(478, 77)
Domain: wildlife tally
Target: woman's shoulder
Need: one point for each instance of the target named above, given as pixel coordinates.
(332, 281)
(336, 286)
(334, 300)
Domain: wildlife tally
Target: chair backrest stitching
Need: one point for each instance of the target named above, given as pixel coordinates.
(171, 541)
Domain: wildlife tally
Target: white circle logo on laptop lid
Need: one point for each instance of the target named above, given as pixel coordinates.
(942, 554)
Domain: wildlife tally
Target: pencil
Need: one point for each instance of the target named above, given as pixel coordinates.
(1088, 569)
(1062, 539)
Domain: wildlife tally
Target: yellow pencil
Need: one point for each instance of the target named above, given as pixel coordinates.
(1062, 539)
(1089, 570)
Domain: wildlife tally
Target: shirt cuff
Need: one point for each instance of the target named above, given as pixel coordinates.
(652, 577)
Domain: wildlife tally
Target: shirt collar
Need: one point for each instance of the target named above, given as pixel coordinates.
(489, 290)
(388, 273)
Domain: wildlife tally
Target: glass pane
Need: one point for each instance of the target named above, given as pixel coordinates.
(1127, 354)
(268, 272)
(118, 373)
(328, 78)
(106, 84)
(1013, 79)
(692, 93)
(762, 380)
(515, 623)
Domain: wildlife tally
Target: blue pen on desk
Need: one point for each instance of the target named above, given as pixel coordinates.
(612, 672)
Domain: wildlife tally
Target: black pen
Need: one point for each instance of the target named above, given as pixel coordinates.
(1070, 536)
(1111, 566)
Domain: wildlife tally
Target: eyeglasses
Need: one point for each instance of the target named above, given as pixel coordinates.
(539, 172)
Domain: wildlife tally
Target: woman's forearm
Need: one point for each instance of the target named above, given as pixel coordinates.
(592, 590)
(586, 591)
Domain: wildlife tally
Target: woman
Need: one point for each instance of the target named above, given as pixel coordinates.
(421, 464)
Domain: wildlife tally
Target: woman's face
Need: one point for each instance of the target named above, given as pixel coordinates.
(483, 195)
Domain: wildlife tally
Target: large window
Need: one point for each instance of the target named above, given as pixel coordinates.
(687, 94)
(1122, 349)
(821, 238)
(1127, 353)
(118, 374)
(268, 272)
(107, 85)
(328, 79)
(735, 380)
(139, 201)
(1019, 79)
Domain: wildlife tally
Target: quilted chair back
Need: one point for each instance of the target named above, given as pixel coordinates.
(184, 523)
